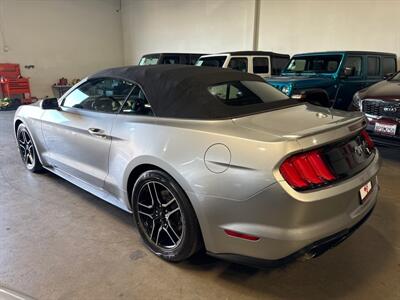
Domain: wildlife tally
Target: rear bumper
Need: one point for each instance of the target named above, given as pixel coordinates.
(288, 223)
(310, 251)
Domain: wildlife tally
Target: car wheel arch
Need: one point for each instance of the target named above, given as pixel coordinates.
(133, 177)
(132, 174)
(17, 123)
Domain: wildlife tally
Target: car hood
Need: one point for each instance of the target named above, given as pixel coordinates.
(387, 90)
(303, 81)
(299, 121)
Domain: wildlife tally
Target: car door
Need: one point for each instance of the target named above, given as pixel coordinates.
(78, 134)
(350, 84)
(130, 126)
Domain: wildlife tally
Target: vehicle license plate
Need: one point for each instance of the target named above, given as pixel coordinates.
(386, 129)
(364, 191)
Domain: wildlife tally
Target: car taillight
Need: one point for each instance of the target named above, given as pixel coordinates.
(368, 139)
(306, 170)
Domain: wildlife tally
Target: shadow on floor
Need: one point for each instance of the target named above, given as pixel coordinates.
(110, 209)
(336, 273)
(390, 153)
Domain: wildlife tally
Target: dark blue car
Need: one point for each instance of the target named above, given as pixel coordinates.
(339, 73)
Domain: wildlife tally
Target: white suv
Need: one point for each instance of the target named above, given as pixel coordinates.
(262, 63)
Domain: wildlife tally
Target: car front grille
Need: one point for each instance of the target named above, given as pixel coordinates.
(380, 108)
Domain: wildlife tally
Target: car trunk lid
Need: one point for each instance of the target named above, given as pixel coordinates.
(299, 122)
(336, 134)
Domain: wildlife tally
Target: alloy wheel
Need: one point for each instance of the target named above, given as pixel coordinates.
(26, 149)
(160, 215)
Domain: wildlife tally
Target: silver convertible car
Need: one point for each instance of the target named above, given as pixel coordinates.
(208, 159)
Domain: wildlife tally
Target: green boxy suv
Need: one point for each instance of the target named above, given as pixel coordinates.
(339, 73)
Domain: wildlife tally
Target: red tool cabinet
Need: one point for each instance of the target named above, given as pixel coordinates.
(13, 85)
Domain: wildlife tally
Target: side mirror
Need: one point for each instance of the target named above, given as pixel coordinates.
(314, 96)
(348, 71)
(50, 103)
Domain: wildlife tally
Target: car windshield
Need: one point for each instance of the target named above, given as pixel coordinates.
(211, 61)
(149, 60)
(314, 64)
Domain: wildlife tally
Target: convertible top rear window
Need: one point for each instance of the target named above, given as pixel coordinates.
(241, 93)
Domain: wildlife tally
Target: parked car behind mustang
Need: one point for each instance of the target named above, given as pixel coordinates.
(262, 63)
(339, 73)
(381, 104)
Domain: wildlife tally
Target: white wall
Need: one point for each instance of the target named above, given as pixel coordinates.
(74, 38)
(288, 26)
(292, 26)
(185, 26)
(70, 38)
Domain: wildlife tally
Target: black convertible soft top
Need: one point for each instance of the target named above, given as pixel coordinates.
(181, 91)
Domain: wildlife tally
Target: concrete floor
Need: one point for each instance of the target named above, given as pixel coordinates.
(59, 242)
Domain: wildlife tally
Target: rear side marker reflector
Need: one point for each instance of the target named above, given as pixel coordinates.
(241, 235)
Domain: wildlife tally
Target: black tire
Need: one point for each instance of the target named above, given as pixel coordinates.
(178, 233)
(27, 150)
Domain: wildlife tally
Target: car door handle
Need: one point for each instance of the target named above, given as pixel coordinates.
(97, 132)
